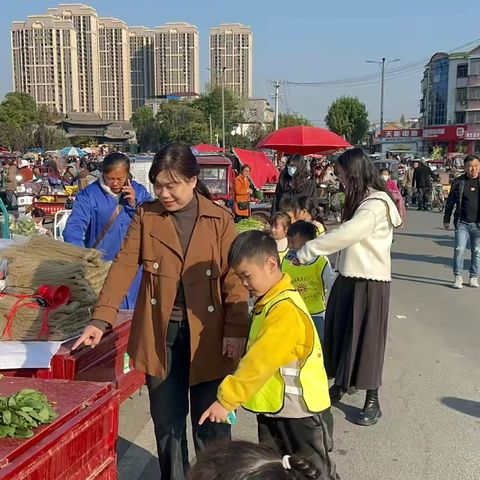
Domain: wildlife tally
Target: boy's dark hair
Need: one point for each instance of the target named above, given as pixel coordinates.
(253, 244)
(281, 217)
(244, 460)
(37, 213)
(286, 203)
(306, 230)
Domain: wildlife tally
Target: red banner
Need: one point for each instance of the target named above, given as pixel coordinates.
(445, 132)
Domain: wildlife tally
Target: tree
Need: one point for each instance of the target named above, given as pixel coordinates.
(147, 129)
(348, 117)
(18, 109)
(292, 120)
(238, 141)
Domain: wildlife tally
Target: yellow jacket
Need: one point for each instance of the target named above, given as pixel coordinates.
(284, 337)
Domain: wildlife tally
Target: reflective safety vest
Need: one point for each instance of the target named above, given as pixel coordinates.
(282, 254)
(300, 387)
(307, 279)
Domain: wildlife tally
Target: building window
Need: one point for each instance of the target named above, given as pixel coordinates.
(474, 66)
(461, 94)
(462, 71)
(473, 117)
(460, 117)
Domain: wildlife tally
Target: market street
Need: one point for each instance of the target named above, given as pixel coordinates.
(431, 393)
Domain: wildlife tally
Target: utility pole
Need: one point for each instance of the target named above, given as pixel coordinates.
(223, 106)
(276, 84)
(383, 64)
(211, 130)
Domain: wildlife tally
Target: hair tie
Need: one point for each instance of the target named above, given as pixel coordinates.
(286, 462)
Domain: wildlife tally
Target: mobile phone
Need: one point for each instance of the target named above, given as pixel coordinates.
(231, 419)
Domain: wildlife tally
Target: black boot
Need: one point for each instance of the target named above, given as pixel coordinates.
(337, 393)
(371, 410)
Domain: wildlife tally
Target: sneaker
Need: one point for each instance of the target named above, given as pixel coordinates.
(474, 282)
(458, 283)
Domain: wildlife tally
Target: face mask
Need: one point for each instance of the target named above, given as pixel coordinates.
(329, 172)
(385, 177)
(291, 171)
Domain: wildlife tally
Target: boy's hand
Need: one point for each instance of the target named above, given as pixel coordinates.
(234, 348)
(217, 413)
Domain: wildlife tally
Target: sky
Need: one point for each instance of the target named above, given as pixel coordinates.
(302, 41)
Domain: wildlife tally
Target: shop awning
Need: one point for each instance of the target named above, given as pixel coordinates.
(263, 170)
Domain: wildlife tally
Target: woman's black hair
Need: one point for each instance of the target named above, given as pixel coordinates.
(37, 213)
(386, 170)
(297, 182)
(246, 461)
(306, 203)
(360, 175)
(179, 160)
(113, 161)
(244, 167)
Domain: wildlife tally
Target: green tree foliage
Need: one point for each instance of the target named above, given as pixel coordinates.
(348, 117)
(292, 120)
(18, 109)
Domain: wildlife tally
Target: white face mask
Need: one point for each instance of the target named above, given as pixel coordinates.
(292, 170)
(385, 178)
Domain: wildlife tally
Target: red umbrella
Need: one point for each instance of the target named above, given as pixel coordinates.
(304, 140)
(205, 147)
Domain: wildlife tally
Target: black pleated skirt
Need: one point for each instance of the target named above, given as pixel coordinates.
(356, 325)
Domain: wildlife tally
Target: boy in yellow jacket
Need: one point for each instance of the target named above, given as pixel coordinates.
(281, 378)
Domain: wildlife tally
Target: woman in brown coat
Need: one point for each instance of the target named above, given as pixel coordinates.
(191, 316)
(241, 194)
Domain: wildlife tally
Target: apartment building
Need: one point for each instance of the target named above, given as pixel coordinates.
(142, 48)
(176, 58)
(85, 21)
(44, 61)
(115, 77)
(231, 58)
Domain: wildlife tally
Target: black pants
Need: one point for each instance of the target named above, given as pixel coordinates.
(310, 438)
(169, 407)
(423, 195)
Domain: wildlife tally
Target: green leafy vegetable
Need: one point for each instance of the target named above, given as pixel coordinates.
(249, 224)
(22, 411)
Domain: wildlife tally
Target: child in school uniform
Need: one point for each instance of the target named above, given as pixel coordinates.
(311, 280)
(279, 225)
(281, 378)
(304, 209)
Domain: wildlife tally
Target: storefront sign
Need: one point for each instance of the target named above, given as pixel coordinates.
(401, 136)
(446, 133)
(472, 136)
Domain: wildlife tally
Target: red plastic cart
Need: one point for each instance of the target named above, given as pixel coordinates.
(107, 362)
(80, 443)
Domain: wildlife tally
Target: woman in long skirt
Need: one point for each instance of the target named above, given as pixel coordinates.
(357, 311)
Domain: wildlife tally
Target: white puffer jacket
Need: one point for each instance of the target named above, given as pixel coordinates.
(363, 243)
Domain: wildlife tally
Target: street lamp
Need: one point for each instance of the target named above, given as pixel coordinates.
(383, 64)
(224, 69)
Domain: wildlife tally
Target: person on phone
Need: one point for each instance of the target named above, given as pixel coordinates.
(102, 213)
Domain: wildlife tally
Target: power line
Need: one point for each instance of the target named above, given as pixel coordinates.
(372, 78)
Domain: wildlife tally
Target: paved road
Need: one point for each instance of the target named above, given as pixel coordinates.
(431, 392)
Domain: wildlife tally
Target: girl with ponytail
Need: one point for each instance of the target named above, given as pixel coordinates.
(249, 461)
(191, 317)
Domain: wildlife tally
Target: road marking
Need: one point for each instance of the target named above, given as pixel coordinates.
(136, 458)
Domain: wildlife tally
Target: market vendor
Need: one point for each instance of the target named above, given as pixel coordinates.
(241, 194)
(25, 172)
(191, 320)
(102, 213)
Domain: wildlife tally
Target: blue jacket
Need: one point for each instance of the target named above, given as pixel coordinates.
(91, 210)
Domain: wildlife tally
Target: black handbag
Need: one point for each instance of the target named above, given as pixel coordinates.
(243, 205)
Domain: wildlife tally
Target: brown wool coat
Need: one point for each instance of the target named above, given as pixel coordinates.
(216, 301)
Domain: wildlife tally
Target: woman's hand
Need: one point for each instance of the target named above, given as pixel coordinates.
(129, 193)
(217, 413)
(90, 336)
(234, 348)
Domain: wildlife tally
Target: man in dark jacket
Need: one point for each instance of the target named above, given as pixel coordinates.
(464, 197)
(423, 184)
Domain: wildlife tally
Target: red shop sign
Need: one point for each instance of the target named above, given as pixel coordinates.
(402, 135)
(445, 132)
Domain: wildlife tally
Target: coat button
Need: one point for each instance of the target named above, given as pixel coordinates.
(155, 266)
(210, 308)
(153, 301)
(208, 272)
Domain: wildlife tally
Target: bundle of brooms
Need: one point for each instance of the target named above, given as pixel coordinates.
(43, 261)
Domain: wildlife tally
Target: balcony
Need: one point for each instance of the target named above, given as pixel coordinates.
(474, 80)
(462, 82)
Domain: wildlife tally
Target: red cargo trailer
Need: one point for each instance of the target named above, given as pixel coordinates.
(107, 362)
(80, 443)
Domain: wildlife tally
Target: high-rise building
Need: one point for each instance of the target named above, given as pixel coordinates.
(85, 20)
(115, 78)
(142, 44)
(44, 60)
(231, 57)
(177, 62)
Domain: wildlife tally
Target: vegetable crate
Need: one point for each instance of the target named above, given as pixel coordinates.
(79, 444)
(107, 362)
